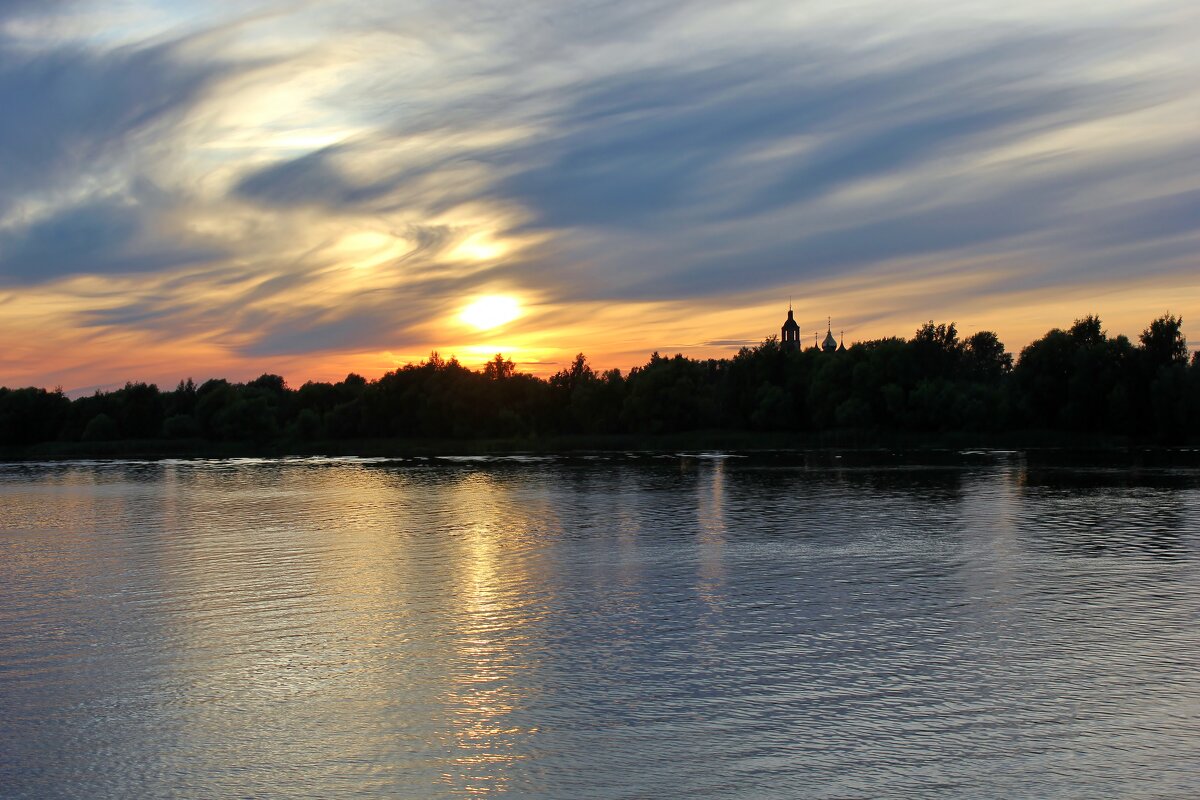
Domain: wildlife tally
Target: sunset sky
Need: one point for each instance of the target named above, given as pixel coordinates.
(231, 187)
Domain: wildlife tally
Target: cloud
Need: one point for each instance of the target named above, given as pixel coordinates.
(748, 167)
(743, 169)
(18, 8)
(71, 112)
(313, 179)
(99, 237)
(390, 315)
(691, 171)
(599, 152)
(363, 329)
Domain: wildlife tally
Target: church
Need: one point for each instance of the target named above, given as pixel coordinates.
(790, 336)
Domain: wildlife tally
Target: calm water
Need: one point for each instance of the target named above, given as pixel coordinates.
(615, 627)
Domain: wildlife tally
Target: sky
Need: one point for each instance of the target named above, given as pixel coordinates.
(312, 188)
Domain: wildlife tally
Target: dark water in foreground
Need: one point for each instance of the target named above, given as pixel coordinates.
(618, 627)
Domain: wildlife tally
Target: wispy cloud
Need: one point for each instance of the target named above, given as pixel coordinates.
(266, 180)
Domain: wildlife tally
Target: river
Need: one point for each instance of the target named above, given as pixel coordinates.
(607, 626)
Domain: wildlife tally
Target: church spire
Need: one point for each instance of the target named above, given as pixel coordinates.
(789, 334)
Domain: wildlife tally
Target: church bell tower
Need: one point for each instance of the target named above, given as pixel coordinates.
(790, 334)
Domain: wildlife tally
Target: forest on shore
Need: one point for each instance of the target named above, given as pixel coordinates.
(1078, 380)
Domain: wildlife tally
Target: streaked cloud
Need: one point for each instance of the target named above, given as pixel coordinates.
(261, 182)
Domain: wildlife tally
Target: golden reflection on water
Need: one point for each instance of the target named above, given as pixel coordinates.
(388, 598)
(497, 590)
(711, 534)
(611, 630)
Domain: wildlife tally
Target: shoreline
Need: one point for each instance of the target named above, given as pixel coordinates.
(859, 442)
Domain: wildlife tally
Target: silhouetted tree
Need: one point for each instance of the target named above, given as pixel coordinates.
(1163, 342)
(273, 384)
(31, 415)
(1088, 331)
(499, 368)
(1078, 379)
(181, 426)
(1164, 353)
(985, 359)
(101, 428)
(140, 411)
(668, 394)
(936, 350)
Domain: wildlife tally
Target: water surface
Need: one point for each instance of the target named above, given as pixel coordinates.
(619, 626)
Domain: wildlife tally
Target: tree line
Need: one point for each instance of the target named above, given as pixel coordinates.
(1077, 380)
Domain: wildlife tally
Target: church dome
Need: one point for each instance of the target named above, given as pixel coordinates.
(830, 344)
(791, 324)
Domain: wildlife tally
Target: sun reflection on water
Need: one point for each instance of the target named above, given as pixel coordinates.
(711, 538)
(492, 676)
(618, 626)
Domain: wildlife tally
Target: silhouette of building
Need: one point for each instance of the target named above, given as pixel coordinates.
(830, 344)
(790, 334)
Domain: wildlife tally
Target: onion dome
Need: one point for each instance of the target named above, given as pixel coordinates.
(830, 344)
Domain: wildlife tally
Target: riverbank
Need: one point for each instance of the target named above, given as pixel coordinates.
(740, 441)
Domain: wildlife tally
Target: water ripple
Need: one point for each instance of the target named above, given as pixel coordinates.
(598, 627)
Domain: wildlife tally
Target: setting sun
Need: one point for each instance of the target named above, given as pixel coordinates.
(491, 312)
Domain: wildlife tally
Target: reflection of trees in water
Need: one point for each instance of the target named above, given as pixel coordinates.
(1084, 478)
(929, 485)
(1107, 512)
(833, 501)
(678, 497)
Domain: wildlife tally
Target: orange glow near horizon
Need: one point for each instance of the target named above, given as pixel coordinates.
(543, 338)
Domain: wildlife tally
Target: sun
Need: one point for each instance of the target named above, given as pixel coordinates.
(491, 311)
